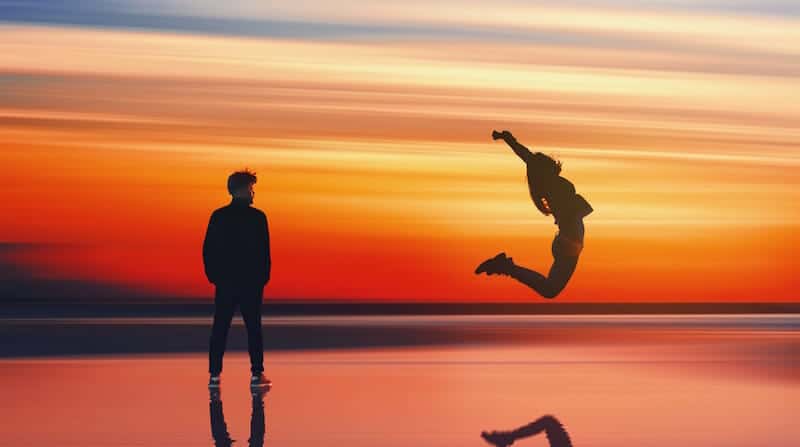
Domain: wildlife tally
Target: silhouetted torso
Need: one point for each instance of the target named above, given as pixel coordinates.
(568, 208)
(236, 247)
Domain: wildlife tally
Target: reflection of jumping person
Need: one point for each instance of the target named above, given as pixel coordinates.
(556, 435)
(552, 194)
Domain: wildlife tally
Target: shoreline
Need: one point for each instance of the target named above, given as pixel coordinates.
(41, 337)
(275, 307)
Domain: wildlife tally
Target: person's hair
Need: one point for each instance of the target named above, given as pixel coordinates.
(545, 165)
(240, 179)
(544, 168)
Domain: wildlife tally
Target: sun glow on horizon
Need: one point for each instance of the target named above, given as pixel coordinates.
(376, 167)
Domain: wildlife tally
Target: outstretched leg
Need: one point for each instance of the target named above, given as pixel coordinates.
(547, 286)
(556, 435)
(565, 259)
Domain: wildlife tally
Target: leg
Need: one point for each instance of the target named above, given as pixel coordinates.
(223, 313)
(555, 281)
(219, 429)
(565, 259)
(257, 421)
(556, 435)
(250, 306)
(566, 248)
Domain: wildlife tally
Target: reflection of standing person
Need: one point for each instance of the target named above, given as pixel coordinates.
(219, 429)
(556, 435)
(236, 257)
(552, 194)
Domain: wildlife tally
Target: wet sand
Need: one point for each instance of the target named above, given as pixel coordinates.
(612, 383)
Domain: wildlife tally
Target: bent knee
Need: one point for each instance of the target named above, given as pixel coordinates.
(550, 294)
(551, 290)
(550, 421)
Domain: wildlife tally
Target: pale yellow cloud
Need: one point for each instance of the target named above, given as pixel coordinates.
(387, 144)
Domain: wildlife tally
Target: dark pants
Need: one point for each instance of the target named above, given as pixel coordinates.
(249, 300)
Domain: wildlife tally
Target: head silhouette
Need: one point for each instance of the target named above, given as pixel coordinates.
(544, 166)
(240, 185)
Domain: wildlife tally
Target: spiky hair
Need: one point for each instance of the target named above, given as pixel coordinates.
(240, 179)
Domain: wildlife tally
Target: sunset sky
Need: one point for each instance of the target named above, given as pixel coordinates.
(369, 125)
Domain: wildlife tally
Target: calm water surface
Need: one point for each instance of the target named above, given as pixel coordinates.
(714, 382)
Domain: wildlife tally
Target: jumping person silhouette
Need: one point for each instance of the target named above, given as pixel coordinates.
(556, 435)
(237, 261)
(552, 194)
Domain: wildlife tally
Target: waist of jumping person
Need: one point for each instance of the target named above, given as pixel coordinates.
(572, 229)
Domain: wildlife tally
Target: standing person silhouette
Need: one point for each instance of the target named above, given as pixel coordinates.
(236, 257)
(552, 194)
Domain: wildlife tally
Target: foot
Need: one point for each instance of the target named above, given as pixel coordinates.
(498, 264)
(498, 438)
(259, 392)
(214, 395)
(213, 382)
(259, 381)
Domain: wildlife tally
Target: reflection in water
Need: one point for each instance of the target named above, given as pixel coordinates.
(555, 432)
(219, 429)
(738, 373)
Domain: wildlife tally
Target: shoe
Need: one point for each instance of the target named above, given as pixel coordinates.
(498, 438)
(214, 395)
(498, 264)
(258, 393)
(259, 381)
(213, 382)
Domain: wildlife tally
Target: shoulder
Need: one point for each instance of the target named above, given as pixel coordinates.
(560, 187)
(225, 209)
(257, 212)
(218, 212)
(564, 184)
(224, 213)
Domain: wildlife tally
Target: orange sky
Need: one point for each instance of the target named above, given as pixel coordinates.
(376, 167)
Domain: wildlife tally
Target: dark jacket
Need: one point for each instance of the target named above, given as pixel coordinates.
(236, 246)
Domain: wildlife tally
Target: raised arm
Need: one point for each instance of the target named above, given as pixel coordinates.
(522, 152)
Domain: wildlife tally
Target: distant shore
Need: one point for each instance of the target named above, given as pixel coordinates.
(118, 335)
(191, 307)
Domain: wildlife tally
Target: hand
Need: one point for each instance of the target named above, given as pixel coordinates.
(505, 135)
